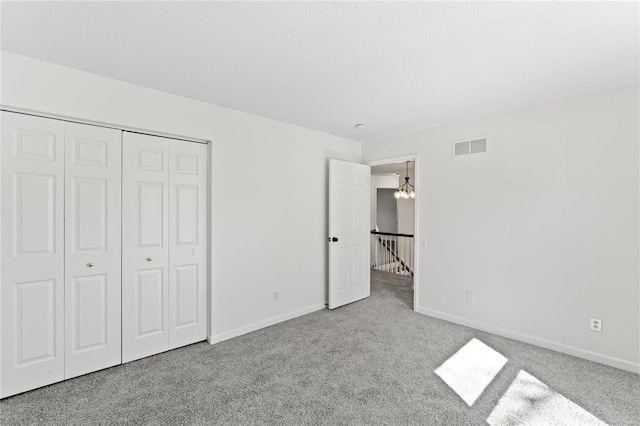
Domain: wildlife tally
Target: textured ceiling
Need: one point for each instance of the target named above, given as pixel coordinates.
(396, 67)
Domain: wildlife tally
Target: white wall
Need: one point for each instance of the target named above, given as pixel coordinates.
(260, 244)
(543, 228)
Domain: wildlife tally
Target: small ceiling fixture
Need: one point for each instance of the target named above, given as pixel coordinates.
(406, 190)
(359, 126)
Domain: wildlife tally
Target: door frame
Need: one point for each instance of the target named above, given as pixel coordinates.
(210, 235)
(416, 216)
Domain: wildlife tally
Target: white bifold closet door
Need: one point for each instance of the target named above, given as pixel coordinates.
(32, 238)
(188, 242)
(164, 242)
(92, 248)
(60, 318)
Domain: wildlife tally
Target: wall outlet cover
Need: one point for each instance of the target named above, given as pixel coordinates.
(471, 297)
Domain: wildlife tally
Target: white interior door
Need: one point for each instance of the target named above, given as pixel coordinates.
(187, 243)
(32, 247)
(349, 218)
(145, 245)
(92, 249)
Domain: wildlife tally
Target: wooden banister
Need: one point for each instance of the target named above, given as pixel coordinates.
(391, 234)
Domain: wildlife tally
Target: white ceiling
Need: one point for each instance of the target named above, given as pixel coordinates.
(396, 67)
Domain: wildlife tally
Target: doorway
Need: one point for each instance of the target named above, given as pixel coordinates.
(386, 210)
(394, 249)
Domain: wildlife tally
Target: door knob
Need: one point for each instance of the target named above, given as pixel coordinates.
(333, 239)
(89, 265)
(149, 259)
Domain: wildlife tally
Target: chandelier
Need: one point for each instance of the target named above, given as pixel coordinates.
(406, 190)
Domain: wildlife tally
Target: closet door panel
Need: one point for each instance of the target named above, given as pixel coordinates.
(145, 246)
(32, 252)
(188, 177)
(92, 249)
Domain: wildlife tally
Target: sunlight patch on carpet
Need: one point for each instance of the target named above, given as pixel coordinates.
(528, 401)
(470, 370)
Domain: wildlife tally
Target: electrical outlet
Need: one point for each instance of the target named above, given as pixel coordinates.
(471, 297)
(595, 325)
(276, 296)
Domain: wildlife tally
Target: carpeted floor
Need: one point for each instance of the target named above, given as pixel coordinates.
(371, 362)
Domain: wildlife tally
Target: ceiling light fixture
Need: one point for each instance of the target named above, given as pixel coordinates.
(359, 126)
(406, 190)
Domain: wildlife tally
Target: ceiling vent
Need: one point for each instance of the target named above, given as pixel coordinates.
(468, 147)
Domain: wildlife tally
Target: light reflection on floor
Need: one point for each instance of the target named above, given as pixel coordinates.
(528, 401)
(470, 370)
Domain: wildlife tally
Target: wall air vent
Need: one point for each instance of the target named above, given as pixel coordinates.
(469, 147)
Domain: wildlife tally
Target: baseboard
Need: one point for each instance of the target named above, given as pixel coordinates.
(526, 338)
(262, 324)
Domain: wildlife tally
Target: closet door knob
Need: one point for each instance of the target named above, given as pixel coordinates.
(89, 265)
(149, 259)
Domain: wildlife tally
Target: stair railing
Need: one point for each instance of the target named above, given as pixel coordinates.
(392, 252)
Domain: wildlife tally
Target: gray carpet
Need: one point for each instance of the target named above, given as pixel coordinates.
(371, 362)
